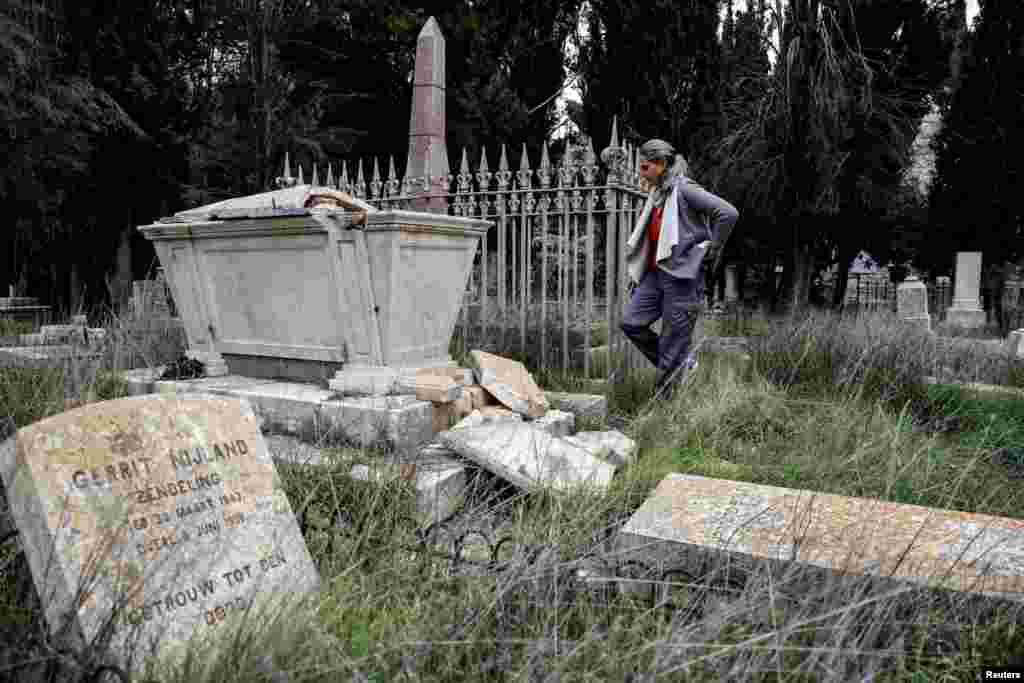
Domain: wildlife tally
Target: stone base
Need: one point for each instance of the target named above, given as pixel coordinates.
(296, 409)
(379, 380)
(282, 369)
(401, 423)
(46, 356)
(969, 318)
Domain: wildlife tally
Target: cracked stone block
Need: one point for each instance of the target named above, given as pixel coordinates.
(613, 446)
(510, 383)
(462, 376)
(431, 387)
(528, 457)
(447, 414)
(478, 396)
(477, 418)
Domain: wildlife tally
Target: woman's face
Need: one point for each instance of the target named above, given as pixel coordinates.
(651, 170)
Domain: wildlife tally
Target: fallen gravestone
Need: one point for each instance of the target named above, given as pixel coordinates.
(690, 518)
(150, 520)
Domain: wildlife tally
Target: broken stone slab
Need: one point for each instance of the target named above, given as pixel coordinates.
(462, 376)
(429, 386)
(688, 519)
(435, 472)
(613, 446)
(402, 422)
(556, 423)
(528, 457)
(478, 396)
(478, 418)
(440, 484)
(590, 406)
(510, 383)
(448, 414)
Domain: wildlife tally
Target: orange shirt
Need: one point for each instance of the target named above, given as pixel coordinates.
(653, 233)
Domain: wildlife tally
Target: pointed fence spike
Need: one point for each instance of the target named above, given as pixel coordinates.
(391, 168)
(301, 181)
(344, 175)
(503, 162)
(359, 178)
(545, 161)
(464, 166)
(316, 176)
(376, 170)
(287, 166)
(483, 160)
(590, 157)
(615, 132)
(524, 162)
(330, 175)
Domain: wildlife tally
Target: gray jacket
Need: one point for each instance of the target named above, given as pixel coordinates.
(702, 216)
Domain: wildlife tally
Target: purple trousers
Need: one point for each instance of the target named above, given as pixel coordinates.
(677, 302)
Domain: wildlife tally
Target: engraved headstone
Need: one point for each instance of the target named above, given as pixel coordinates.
(688, 518)
(149, 520)
(912, 302)
(966, 310)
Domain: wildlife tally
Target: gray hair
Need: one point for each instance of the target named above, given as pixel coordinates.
(675, 165)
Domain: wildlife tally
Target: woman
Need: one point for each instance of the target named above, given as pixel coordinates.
(682, 225)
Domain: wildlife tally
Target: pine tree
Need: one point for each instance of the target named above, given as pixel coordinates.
(973, 200)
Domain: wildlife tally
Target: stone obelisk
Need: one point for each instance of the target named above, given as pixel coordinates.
(428, 155)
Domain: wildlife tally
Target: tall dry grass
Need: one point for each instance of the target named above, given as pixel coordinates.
(533, 586)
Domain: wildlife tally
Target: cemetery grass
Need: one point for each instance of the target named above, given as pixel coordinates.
(833, 405)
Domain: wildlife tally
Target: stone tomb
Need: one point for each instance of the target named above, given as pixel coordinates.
(152, 519)
(825, 532)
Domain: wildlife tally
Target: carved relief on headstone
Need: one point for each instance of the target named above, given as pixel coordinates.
(151, 519)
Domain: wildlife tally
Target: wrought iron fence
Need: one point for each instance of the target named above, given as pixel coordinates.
(556, 278)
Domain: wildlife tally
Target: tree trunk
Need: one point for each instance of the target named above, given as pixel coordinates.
(123, 270)
(74, 289)
(803, 266)
(846, 254)
(767, 295)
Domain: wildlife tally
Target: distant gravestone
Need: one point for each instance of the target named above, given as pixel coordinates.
(966, 310)
(152, 519)
(912, 303)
